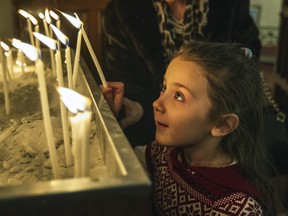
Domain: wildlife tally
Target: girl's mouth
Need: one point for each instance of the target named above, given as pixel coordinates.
(160, 124)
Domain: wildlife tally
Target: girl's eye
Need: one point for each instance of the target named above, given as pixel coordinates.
(162, 88)
(178, 96)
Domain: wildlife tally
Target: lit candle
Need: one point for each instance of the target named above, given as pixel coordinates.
(52, 44)
(93, 55)
(47, 33)
(26, 15)
(65, 40)
(42, 16)
(32, 53)
(9, 61)
(5, 86)
(76, 23)
(80, 106)
(36, 29)
(48, 20)
(56, 17)
(79, 24)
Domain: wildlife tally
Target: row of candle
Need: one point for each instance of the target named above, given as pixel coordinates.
(80, 121)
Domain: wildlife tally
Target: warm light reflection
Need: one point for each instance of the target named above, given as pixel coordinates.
(28, 16)
(47, 16)
(41, 15)
(51, 43)
(54, 15)
(4, 46)
(33, 19)
(73, 100)
(62, 37)
(23, 13)
(29, 50)
(74, 21)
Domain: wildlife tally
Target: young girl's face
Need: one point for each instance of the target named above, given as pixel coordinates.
(181, 111)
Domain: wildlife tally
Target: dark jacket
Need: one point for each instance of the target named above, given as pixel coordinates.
(134, 53)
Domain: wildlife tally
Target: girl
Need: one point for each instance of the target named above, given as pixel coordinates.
(208, 157)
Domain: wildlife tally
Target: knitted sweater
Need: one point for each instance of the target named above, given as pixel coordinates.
(182, 189)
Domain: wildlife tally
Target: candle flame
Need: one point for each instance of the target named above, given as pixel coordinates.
(28, 16)
(29, 50)
(4, 46)
(51, 43)
(47, 16)
(54, 15)
(33, 19)
(62, 37)
(74, 21)
(74, 101)
(23, 13)
(41, 15)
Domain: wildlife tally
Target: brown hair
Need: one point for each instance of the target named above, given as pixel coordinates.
(235, 87)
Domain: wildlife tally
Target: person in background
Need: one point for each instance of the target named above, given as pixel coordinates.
(208, 157)
(143, 35)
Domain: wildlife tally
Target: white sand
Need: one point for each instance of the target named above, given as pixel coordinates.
(24, 155)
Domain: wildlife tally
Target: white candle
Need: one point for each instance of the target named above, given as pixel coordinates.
(65, 40)
(80, 106)
(77, 58)
(69, 66)
(5, 86)
(30, 31)
(37, 42)
(77, 24)
(32, 54)
(64, 113)
(47, 33)
(42, 16)
(9, 61)
(39, 66)
(94, 58)
(10, 71)
(26, 15)
(80, 127)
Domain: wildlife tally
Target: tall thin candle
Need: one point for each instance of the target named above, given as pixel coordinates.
(65, 40)
(32, 54)
(5, 83)
(47, 33)
(26, 15)
(52, 44)
(77, 24)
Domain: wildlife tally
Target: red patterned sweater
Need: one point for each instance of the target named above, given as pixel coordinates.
(182, 189)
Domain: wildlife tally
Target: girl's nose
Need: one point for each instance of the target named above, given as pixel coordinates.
(158, 105)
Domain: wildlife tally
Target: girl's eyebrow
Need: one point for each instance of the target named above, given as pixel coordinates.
(183, 86)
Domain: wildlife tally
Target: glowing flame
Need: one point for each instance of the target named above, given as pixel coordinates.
(74, 101)
(51, 43)
(28, 16)
(4, 46)
(74, 21)
(42, 16)
(62, 37)
(33, 19)
(24, 13)
(54, 15)
(29, 50)
(47, 16)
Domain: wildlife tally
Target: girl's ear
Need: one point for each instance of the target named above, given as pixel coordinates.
(226, 124)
